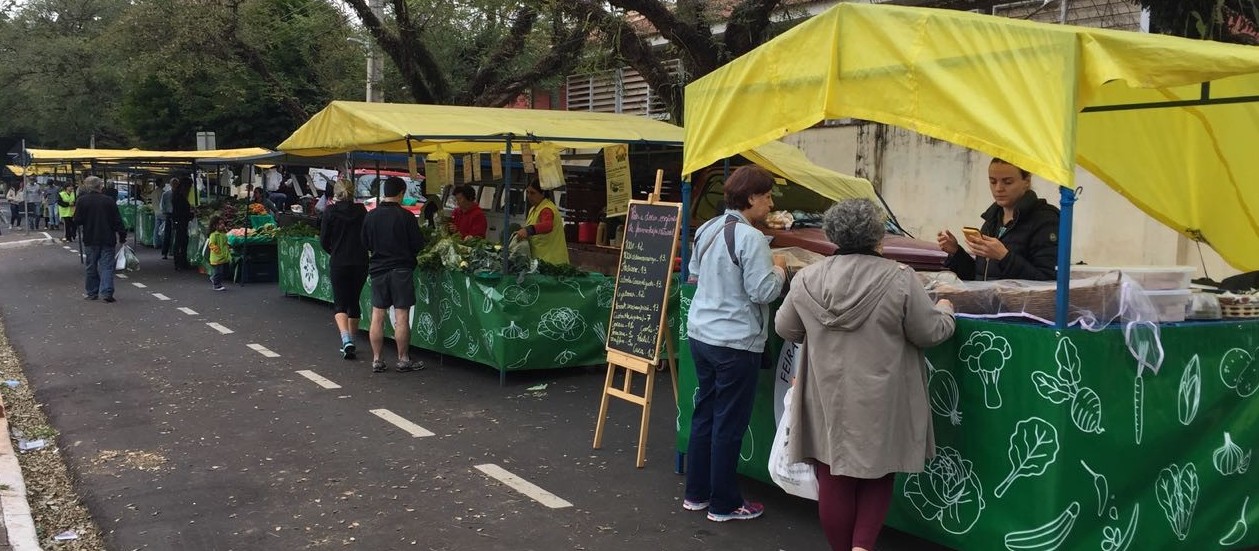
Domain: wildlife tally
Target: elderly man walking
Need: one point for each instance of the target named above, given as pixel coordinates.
(100, 228)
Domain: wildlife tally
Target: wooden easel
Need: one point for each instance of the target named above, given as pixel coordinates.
(633, 364)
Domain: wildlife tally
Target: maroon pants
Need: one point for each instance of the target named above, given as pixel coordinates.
(852, 510)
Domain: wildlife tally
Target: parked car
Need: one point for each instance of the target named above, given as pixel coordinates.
(708, 201)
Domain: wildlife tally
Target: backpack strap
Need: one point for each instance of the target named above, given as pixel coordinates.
(728, 231)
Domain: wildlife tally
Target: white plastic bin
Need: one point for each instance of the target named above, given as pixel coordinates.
(1150, 278)
(1170, 305)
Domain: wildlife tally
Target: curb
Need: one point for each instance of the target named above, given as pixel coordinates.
(17, 512)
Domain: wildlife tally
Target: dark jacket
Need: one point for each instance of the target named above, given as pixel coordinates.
(99, 222)
(181, 209)
(341, 234)
(1031, 238)
(392, 236)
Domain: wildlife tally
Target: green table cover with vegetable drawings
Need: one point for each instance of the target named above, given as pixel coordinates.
(144, 231)
(128, 213)
(505, 322)
(304, 268)
(1048, 440)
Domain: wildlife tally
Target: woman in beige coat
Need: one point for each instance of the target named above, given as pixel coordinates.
(860, 413)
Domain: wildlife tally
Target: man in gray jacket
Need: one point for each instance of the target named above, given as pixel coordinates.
(164, 209)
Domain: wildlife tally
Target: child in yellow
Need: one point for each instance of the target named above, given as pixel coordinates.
(220, 252)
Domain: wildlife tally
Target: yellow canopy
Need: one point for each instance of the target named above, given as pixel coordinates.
(789, 162)
(345, 126)
(54, 155)
(1013, 89)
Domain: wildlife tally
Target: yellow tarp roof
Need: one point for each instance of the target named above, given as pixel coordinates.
(789, 162)
(1013, 89)
(55, 155)
(358, 126)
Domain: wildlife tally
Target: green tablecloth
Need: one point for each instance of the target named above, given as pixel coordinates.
(304, 268)
(537, 322)
(1046, 448)
(251, 240)
(128, 213)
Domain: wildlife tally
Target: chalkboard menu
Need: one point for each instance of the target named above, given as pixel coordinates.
(643, 279)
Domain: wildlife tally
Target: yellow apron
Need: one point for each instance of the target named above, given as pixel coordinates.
(550, 247)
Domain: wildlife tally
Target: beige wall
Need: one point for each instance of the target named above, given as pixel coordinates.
(932, 185)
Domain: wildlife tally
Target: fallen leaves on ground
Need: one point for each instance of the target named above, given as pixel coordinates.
(55, 505)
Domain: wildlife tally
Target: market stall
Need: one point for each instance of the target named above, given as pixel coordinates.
(1129, 437)
(509, 319)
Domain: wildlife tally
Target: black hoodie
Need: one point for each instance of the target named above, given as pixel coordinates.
(340, 234)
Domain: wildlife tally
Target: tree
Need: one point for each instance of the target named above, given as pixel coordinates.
(474, 52)
(1222, 20)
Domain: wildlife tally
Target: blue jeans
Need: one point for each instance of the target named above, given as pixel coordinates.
(100, 270)
(217, 271)
(723, 408)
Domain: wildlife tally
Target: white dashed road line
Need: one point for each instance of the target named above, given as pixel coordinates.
(188, 311)
(220, 328)
(318, 379)
(139, 285)
(397, 421)
(160, 296)
(120, 276)
(66, 247)
(523, 486)
(262, 350)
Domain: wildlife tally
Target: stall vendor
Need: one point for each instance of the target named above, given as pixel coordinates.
(1019, 236)
(468, 220)
(544, 227)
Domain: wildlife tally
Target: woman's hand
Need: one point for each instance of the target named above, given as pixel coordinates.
(944, 304)
(522, 233)
(987, 247)
(947, 242)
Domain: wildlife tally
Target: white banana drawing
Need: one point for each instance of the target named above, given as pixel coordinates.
(1047, 537)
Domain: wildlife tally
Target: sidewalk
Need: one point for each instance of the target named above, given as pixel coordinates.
(16, 238)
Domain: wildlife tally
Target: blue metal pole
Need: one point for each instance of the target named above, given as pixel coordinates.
(686, 229)
(1062, 299)
(506, 239)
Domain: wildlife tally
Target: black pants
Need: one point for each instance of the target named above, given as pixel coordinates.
(70, 228)
(347, 286)
(180, 246)
(166, 236)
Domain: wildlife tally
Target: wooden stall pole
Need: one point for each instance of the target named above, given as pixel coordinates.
(641, 299)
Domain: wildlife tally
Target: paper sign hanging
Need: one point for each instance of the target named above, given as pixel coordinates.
(526, 157)
(414, 170)
(617, 169)
(467, 169)
(550, 170)
(496, 165)
(476, 167)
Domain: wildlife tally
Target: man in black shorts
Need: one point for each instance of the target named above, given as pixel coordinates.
(392, 236)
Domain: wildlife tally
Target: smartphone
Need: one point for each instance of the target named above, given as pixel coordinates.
(970, 232)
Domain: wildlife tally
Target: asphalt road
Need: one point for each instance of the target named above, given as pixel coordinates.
(183, 437)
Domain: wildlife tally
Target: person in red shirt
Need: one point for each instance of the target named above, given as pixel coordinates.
(468, 219)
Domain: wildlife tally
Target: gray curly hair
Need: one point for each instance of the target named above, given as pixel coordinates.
(854, 224)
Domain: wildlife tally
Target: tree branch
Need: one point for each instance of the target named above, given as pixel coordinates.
(746, 28)
(635, 51)
(692, 41)
(566, 47)
(491, 69)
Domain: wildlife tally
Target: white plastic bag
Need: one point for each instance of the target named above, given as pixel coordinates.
(125, 259)
(797, 479)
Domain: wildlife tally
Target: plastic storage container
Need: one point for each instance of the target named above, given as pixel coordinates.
(1151, 278)
(1170, 305)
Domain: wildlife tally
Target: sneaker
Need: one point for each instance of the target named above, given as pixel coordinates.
(347, 350)
(109, 299)
(220, 288)
(89, 297)
(748, 511)
(378, 366)
(694, 505)
(404, 366)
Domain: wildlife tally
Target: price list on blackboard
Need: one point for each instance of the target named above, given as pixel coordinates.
(642, 282)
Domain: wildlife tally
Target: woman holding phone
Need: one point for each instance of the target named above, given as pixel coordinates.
(1019, 236)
